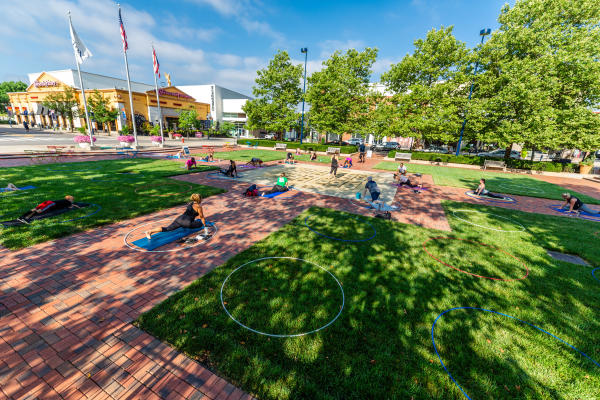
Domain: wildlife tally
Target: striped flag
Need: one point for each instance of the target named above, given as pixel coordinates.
(155, 62)
(123, 34)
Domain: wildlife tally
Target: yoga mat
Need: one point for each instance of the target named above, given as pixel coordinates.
(2, 190)
(54, 213)
(505, 199)
(583, 214)
(162, 238)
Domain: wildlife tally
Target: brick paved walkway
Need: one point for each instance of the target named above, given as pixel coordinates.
(66, 306)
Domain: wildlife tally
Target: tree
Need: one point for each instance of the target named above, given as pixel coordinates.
(540, 76)
(277, 94)
(64, 103)
(430, 87)
(9, 86)
(381, 119)
(227, 127)
(99, 107)
(336, 93)
(188, 121)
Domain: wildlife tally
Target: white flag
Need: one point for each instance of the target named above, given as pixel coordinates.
(81, 52)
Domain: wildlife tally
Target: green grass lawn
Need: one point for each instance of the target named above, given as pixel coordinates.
(123, 188)
(380, 345)
(246, 155)
(320, 159)
(495, 182)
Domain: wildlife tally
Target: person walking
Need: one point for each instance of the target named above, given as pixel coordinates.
(334, 165)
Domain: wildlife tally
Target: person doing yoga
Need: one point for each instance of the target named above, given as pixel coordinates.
(11, 187)
(191, 163)
(192, 218)
(348, 162)
(576, 205)
(231, 171)
(374, 191)
(255, 162)
(208, 158)
(313, 156)
(403, 180)
(280, 186)
(47, 206)
(482, 191)
(290, 158)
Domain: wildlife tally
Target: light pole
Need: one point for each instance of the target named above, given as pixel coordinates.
(305, 51)
(483, 33)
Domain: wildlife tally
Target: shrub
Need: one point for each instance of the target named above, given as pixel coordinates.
(82, 139)
(81, 129)
(126, 139)
(157, 139)
(303, 146)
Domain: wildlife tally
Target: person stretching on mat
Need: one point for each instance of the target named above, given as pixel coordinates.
(403, 180)
(256, 162)
(231, 171)
(208, 158)
(192, 218)
(10, 187)
(374, 191)
(190, 163)
(280, 186)
(47, 206)
(576, 205)
(348, 162)
(401, 171)
(290, 158)
(482, 191)
(313, 156)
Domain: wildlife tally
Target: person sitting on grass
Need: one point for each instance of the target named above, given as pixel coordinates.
(10, 188)
(290, 158)
(255, 162)
(280, 186)
(298, 151)
(231, 171)
(348, 162)
(192, 218)
(482, 191)
(191, 163)
(313, 156)
(576, 205)
(47, 206)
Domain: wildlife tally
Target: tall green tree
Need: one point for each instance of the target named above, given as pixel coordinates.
(540, 76)
(101, 110)
(188, 121)
(277, 93)
(64, 103)
(430, 87)
(337, 93)
(9, 86)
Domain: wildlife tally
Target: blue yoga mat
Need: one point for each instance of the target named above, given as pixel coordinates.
(582, 214)
(2, 190)
(162, 238)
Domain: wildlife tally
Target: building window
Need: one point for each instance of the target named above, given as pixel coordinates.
(234, 115)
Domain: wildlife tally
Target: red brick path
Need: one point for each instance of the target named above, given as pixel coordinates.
(66, 306)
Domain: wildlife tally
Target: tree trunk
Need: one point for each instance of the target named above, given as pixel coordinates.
(507, 151)
(532, 152)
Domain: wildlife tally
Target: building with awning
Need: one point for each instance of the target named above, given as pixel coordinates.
(27, 105)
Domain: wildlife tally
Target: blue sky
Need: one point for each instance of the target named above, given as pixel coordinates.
(224, 41)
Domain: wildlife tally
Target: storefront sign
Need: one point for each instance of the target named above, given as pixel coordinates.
(45, 84)
(163, 92)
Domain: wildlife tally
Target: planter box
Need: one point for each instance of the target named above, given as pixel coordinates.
(84, 145)
(585, 169)
(157, 144)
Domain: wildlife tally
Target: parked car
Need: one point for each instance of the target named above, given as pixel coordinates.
(499, 153)
(355, 141)
(437, 149)
(386, 146)
(270, 136)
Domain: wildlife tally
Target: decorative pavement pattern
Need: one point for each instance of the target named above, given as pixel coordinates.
(67, 306)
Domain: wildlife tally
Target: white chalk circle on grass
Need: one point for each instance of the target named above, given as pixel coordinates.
(274, 334)
(212, 228)
(488, 227)
(520, 186)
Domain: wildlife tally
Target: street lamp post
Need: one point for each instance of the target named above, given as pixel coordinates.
(483, 33)
(305, 51)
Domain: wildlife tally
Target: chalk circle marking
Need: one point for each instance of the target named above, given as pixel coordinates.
(470, 273)
(358, 204)
(488, 227)
(520, 186)
(84, 216)
(504, 315)
(66, 169)
(218, 175)
(133, 247)
(505, 199)
(153, 185)
(340, 239)
(282, 335)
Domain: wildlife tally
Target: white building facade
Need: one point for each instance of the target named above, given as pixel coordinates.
(225, 105)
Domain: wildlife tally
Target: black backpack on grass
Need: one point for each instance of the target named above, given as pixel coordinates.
(251, 191)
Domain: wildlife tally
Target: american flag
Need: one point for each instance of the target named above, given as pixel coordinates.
(123, 34)
(155, 62)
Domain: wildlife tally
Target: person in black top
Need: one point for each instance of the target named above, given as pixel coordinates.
(192, 218)
(47, 206)
(361, 155)
(255, 162)
(290, 158)
(576, 205)
(334, 165)
(231, 171)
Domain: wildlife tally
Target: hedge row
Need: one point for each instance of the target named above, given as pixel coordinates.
(476, 160)
(295, 145)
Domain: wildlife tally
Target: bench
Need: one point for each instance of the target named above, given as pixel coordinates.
(333, 150)
(280, 146)
(494, 164)
(403, 157)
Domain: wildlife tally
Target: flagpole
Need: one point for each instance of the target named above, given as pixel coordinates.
(87, 117)
(162, 136)
(129, 88)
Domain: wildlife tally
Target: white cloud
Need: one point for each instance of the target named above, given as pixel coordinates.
(329, 46)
